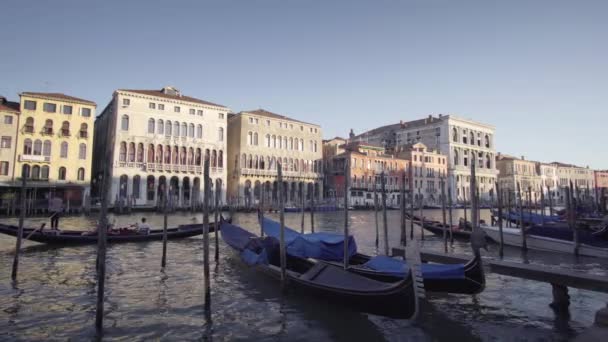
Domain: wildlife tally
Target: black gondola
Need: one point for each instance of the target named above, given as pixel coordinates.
(74, 237)
(453, 278)
(473, 281)
(321, 279)
(437, 229)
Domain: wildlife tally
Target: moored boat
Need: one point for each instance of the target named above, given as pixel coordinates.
(454, 278)
(559, 241)
(322, 279)
(75, 237)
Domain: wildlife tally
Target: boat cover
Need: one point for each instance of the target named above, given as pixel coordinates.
(323, 246)
(386, 264)
(563, 232)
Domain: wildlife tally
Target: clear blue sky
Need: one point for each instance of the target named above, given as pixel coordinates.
(537, 70)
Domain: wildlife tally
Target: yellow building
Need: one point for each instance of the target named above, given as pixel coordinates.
(9, 120)
(257, 141)
(55, 145)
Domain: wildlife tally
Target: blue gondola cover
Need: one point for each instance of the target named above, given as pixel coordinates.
(398, 268)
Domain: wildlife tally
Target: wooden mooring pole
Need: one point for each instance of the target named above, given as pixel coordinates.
(346, 181)
(303, 197)
(402, 209)
(443, 212)
(411, 210)
(312, 209)
(282, 228)
(163, 261)
(376, 213)
(421, 214)
(261, 209)
(218, 194)
(450, 214)
(464, 196)
(501, 242)
(207, 280)
(522, 230)
(20, 229)
(384, 218)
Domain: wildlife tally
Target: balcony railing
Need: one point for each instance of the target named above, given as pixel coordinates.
(65, 132)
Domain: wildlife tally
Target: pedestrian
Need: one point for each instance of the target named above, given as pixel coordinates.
(56, 208)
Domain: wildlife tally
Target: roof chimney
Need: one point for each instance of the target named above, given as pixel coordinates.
(523, 158)
(2, 99)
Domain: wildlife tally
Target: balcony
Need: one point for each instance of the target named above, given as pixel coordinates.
(65, 132)
(47, 131)
(83, 134)
(34, 158)
(28, 129)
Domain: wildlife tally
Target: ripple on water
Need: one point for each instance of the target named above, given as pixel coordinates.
(55, 296)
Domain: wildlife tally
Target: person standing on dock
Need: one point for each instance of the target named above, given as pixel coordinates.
(56, 208)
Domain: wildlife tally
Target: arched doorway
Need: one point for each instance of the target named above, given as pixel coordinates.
(186, 190)
(174, 191)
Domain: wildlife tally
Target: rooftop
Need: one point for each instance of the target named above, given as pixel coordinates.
(171, 95)
(58, 96)
(8, 106)
(265, 113)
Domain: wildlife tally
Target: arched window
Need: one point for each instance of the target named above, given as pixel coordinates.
(301, 144)
(488, 161)
(82, 151)
(36, 172)
(135, 188)
(46, 148)
(472, 138)
(25, 171)
(140, 153)
(80, 175)
(199, 131)
(122, 156)
(176, 129)
(44, 172)
(250, 138)
(65, 129)
(220, 159)
(297, 144)
(29, 125)
(48, 126)
(184, 129)
(220, 134)
(316, 146)
(214, 158)
(267, 140)
(124, 123)
(84, 128)
(274, 141)
(487, 141)
(183, 156)
(131, 152)
(37, 147)
(161, 127)
(455, 134)
(151, 126)
(191, 131)
(280, 141)
(150, 187)
(198, 157)
(456, 158)
(64, 150)
(255, 139)
(291, 143)
(175, 155)
(168, 128)
(27, 147)
(167, 154)
(150, 158)
(62, 173)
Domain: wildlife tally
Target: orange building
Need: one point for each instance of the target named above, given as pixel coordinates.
(367, 162)
(428, 169)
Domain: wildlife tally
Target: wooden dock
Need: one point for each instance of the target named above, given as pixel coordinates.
(559, 279)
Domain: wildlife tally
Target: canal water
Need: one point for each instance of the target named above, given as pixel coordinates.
(55, 296)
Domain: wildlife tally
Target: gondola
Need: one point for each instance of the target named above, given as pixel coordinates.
(320, 279)
(437, 229)
(453, 278)
(75, 237)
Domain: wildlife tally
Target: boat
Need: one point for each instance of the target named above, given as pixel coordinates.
(329, 247)
(553, 239)
(321, 279)
(76, 237)
(437, 228)
(527, 217)
(319, 208)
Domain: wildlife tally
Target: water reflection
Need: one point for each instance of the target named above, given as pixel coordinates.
(55, 296)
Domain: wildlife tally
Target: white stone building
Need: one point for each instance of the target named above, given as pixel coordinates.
(160, 137)
(459, 139)
(582, 178)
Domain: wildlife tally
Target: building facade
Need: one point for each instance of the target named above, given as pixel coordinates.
(257, 141)
(582, 179)
(9, 116)
(428, 169)
(459, 139)
(601, 187)
(367, 163)
(54, 145)
(158, 142)
(331, 148)
(513, 171)
(549, 181)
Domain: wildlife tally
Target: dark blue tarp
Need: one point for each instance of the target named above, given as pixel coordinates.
(385, 264)
(563, 232)
(253, 250)
(323, 246)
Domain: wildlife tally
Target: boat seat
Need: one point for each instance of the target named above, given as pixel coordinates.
(313, 271)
